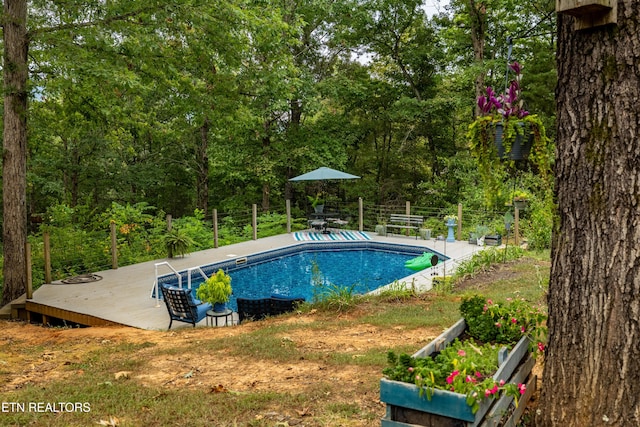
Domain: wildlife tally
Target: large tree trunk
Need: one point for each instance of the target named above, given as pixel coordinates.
(592, 370)
(14, 160)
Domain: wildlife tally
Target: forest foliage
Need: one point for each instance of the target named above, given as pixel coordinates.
(142, 109)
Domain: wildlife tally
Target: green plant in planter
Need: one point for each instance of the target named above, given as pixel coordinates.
(316, 200)
(450, 218)
(490, 321)
(177, 242)
(216, 289)
(482, 230)
(520, 195)
(466, 366)
(506, 112)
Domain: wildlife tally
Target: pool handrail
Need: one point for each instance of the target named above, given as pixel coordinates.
(177, 274)
(154, 288)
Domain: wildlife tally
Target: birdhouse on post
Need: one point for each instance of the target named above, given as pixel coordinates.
(589, 13)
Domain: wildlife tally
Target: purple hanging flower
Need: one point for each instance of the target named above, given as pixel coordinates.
(516, 68)
(506, 104)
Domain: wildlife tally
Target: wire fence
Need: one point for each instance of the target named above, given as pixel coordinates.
(74, 252)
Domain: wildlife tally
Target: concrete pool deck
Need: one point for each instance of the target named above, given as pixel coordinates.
(123, 295)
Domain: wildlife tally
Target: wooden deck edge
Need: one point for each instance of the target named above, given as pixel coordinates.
(10, 311)
(47, 312)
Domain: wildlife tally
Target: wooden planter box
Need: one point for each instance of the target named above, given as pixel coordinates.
(493, 240)
(406, 408)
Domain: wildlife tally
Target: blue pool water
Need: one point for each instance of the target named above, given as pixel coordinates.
(292, 274)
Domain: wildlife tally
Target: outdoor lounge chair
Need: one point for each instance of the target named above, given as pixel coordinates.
(280, 305)
(182, 306)
(259, 308)
(253, 308)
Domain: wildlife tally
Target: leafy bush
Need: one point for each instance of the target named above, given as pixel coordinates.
(502, 323)
(481, 326)
(196, 229)
(540, 223)
(483, 261)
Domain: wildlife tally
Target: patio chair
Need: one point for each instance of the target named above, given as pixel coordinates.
(182, 306)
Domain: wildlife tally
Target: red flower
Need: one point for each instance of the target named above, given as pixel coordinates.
(522, 388)
(451, 377)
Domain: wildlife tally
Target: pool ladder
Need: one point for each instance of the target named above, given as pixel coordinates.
(154, 288)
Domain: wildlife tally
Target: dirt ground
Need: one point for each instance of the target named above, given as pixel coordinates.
(63, 346)
(33, 354)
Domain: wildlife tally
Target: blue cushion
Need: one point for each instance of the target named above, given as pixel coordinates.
(202, 310)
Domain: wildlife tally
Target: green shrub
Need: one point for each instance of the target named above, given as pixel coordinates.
(490, 321)
(177, 242)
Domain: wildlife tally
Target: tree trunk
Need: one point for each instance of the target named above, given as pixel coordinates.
(592, 370)
(202, 180)
(14, 160)
(477, 14)
(266, 186)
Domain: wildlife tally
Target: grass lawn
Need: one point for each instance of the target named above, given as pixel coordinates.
(320, 366)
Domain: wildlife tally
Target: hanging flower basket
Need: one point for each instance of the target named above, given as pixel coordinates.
(521, 145)
(504, 133)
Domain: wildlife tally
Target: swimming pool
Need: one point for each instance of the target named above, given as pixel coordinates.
(299, 270)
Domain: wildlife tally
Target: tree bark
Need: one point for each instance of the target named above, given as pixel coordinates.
(477, 14)
(592, 369)
(202, 180)
(14, 159)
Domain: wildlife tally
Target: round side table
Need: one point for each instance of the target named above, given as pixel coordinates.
(219, 314)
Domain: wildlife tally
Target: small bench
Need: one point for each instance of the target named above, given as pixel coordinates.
(406, 222)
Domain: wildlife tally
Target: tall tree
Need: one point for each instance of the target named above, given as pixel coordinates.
(14, 159)
(99, 44)
(591, 373)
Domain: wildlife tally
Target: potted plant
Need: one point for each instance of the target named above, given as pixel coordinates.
(216, 290)
(317, 203)
(177, 242)
(520, 199)
(381, 227)
(504, 133)
(477, 236)
(451, 219)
